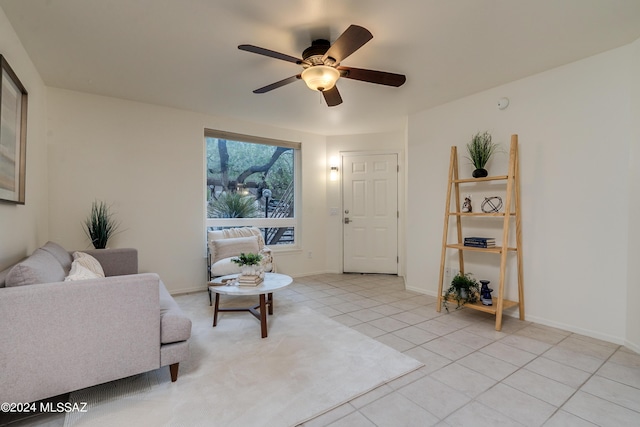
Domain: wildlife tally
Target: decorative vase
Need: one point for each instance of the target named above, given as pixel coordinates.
(480, 173)
(248, 270)
(485, 293)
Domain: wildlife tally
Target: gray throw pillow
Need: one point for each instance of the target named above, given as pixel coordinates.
(40, 267)
(60, 253)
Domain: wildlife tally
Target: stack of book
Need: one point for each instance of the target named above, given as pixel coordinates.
(480, 242)
(249, 280)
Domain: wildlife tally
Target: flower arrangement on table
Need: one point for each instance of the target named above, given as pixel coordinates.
(251, 267)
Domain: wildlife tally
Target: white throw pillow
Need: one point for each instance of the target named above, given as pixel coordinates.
(226, 248)
(80, 272)
(88, 262)
(224, 267)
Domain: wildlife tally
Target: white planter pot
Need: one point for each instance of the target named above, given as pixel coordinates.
(252, 270)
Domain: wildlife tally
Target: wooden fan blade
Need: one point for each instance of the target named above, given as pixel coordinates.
(269, 53)
(332, 96)
(276, 85)
(372, 76)
(351, 40)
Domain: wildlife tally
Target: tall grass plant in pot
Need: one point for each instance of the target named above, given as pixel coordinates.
(480, 150)
(100, 225)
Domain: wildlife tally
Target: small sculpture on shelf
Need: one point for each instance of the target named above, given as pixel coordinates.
(485, 293)
(466, 205)
(491, 204)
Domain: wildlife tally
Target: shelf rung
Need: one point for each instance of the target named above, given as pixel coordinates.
(491, 309)
(496, 250)
(501, 214)
(486, 178)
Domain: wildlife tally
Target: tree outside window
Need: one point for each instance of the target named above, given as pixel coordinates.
(251, 184)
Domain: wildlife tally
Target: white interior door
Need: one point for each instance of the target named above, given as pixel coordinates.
(370, 213)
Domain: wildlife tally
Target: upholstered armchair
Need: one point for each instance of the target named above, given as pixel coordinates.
(223, 245)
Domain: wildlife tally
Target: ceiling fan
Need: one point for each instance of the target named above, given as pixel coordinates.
(321, 65)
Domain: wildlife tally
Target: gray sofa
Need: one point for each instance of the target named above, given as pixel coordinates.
(57, 336)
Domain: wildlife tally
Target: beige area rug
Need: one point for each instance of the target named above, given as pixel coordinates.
(309, 364)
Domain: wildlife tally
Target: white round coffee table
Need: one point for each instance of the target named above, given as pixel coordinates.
(226, 286)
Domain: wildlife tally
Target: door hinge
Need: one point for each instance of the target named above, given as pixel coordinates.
(397, 259)
(397, 214)
(397, 168)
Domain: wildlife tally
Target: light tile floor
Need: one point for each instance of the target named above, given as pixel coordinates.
(525, 375)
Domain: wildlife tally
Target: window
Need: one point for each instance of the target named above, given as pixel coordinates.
(252, 181)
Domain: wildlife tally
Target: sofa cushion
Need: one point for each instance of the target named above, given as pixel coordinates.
(117, 261)
(227, 248)
(40, 267)
(174, 325)
(60, 253)
(88, 262)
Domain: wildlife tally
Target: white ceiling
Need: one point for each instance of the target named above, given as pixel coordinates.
(183, 53)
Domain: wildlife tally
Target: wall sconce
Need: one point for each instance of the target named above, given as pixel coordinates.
(333, 173)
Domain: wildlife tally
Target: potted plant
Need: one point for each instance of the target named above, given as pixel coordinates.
(249, 263)
(100, 225)
(464, 289)
(480, 150)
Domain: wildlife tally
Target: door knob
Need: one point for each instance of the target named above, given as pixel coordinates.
(347, 220)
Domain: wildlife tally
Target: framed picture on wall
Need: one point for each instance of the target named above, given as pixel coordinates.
(13, 135)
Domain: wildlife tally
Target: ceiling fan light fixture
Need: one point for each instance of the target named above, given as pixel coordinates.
(320, 77)
(321, 65)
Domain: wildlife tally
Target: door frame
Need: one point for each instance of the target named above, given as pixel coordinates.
(401, 194)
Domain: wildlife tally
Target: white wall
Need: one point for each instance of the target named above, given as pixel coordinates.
(24, 227)
(574, 125)
(387, 142)
(633, 283)
(148, 162)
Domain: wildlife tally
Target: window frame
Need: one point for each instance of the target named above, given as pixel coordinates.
(293, 222)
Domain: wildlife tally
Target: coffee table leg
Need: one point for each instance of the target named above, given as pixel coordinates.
(270, 302)
(263, 316)
(215, 309)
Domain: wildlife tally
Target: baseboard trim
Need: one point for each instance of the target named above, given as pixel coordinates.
(308, 274)
(421, 291)
(576, 330)
(632, 346)
(190, 290)
(559, 325)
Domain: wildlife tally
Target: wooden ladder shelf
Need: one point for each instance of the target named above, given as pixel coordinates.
(510, 212)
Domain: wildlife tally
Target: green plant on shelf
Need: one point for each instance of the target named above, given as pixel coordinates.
(463, 289)
(480, 150)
